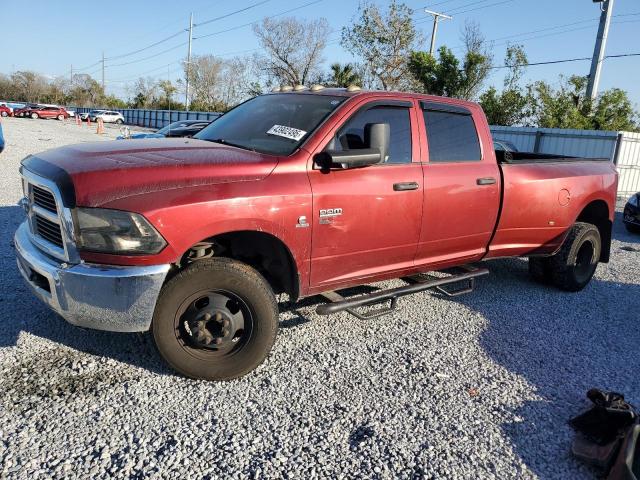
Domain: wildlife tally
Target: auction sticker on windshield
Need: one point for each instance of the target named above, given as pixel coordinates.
(287, 132)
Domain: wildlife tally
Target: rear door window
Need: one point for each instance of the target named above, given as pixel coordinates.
(452, 136)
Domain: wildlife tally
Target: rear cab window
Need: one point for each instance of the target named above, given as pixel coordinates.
(451, 133)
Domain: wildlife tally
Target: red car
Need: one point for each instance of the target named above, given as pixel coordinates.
(5, 111)
(306, 193)
(46, 112)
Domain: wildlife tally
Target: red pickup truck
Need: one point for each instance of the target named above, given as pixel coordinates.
(303, 193)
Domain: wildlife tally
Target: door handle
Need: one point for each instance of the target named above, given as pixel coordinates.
(486, 181)
(404, 186)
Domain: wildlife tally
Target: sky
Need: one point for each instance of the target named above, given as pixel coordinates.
(52, 37)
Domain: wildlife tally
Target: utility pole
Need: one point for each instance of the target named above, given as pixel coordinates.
(186, 89)
(436, 18)
(71, 74)
(103, 70)
(606, 8)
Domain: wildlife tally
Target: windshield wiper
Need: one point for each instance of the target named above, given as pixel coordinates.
(231, 144)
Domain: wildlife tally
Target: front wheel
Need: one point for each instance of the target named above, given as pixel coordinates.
(574, 265)
(119, 121)
(34, 115)
(215, 320)
(5, 114)
(60, 117)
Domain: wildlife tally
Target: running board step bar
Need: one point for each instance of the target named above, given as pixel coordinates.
(337, 303)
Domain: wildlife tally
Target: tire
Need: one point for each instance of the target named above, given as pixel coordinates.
(540, 270)
(631, 228)
(34, 115)
(233, 295)
(60, 117)
(5, 114)
(119, 122)
(576, 262)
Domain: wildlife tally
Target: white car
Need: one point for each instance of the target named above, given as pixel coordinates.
(107, 116)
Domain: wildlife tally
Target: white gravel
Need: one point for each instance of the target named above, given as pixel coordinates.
(476, 387)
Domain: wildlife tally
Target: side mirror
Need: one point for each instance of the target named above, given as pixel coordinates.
(376, 137)
(346, 159)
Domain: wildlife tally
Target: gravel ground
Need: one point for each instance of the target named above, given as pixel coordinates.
(480, 386)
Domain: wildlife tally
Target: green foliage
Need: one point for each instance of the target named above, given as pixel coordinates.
(512, 105)
(568, 107)
(383, 42)
(445, 75)
(343, 76)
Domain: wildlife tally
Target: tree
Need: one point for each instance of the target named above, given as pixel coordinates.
(512, 105)
(29, 86)
(292, 49)
(344, 76)
(445, 76)
(216, 84)
(383, 42)
(568, 106)
(145, 93)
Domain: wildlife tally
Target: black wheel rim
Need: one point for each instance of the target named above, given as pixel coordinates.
(585, 262)
(213, 323)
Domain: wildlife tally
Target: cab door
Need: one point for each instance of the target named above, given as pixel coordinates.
(462, 185)
(366, 221)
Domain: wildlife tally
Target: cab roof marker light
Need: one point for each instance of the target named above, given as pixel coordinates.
(353, 88)
(299, 88)
(286, 88)
(316, 88)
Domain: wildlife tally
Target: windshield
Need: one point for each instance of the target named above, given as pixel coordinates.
(275, 124)
(174, 125)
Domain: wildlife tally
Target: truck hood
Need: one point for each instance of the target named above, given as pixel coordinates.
(102, 172)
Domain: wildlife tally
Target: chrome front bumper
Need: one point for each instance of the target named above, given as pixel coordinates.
(117, 299)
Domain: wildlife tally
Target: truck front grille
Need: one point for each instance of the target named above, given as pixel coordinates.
(44, 199)
(47, 217)
(48, 230)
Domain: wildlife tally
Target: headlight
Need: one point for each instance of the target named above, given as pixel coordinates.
(634, 200)
(117, 232)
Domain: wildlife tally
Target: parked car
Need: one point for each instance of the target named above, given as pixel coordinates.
(183, 128)
(107, 116)
(631, 214)
(304, 193)
(85, 115)
(47, 112)
(25, 111)
(6, 110)
(504, 146)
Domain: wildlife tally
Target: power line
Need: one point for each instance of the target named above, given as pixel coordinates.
(568, 60)
(181, 32)
(483, 6)
(150, 56)
(453, 10)
(256, 21)
(253, 5)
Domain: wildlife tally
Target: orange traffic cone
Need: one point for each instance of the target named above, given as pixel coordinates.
(100, 129)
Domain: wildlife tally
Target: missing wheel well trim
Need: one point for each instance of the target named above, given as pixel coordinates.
(264, 252)
(597, 213)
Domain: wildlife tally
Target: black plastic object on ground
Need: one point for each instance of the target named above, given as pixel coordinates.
(607, 436)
